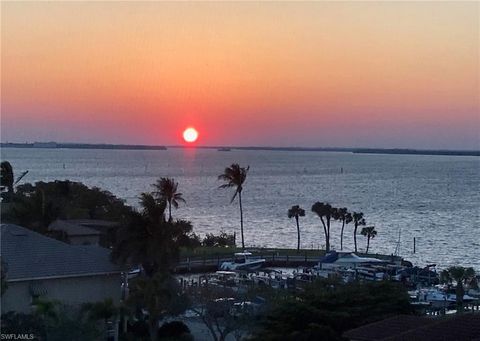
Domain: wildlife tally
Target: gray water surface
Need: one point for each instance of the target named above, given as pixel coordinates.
(435, 199)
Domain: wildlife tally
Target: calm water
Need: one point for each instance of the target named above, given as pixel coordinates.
(433, 198)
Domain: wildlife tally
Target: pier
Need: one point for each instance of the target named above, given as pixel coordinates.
(208, 262)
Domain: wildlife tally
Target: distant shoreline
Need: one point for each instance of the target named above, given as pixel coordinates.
(54, 145)
(397, 151)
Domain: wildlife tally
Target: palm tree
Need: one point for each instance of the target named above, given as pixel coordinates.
(325, 211)
(148, 239)
(160, 295)
(460, 275)
(370, 233)
(295, 212)
(345, 217)
(167, 190)
(234, 176)
(358, 220)
(103, 310)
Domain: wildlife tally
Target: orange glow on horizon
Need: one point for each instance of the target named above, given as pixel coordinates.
(344, 74)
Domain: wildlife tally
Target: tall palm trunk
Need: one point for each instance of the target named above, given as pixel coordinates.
(355, 236)
(153, 328)
(368, 243)
(459, 293)
(169, 210)
(298, 234)
(241, 219)
(341, 235)
(327, 240)
(328, 234)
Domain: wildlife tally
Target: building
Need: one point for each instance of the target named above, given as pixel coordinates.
(41, 267)
(460, 327)
(77, 233)
(86, 231)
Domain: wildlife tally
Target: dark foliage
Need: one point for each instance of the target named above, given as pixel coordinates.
(175, 330)
(153, 244)
(295, 212)
(167, 190)
(235, 176)
(222, 240)
(6, 180)
(137, 330)
(329, 308)
(19, 323)
(3, 272)
(160, 296)
(325, 212)
(51, 321)
(37, 206)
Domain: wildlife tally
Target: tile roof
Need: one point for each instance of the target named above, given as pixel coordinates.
(383, 329)
(94, 223)
(31, 255)
(462, 327)
(73, 229)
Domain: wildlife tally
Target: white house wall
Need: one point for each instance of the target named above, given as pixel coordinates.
(71, 291)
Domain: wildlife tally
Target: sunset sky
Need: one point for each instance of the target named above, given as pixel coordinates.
(346, 74)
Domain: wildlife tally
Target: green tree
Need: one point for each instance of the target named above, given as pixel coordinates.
(3, 271)
(37, 206)
(330, 307)
(215, 306)
(325, 212)
(35, 211)
(358, 220)
(370, 233)
(13, 322)
(175, 330)
(167, 190)
(101, 311)
(295, 212)
(460, 275)
(235, 176)
(62, 322)
(148, 239)
(6, 178)
(160, 296)
(345, 217)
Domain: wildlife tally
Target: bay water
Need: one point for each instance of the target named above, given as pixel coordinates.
(434, 199)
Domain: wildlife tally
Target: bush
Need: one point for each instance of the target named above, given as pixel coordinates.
(331, 308)
(19, 323)
(175, 330)
(222, 240)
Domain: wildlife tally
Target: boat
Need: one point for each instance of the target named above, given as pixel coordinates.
(243, 261)
(224, 149)
(222, 278)
(437, 297)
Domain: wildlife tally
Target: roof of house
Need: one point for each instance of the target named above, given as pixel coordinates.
(94, 223)
(30, 255)
(412, 328)
(383, 329)
(451, 328)
(72, 228)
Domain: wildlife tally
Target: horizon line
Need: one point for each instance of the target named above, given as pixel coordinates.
(257, 147)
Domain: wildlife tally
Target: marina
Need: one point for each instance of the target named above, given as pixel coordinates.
(292, 273)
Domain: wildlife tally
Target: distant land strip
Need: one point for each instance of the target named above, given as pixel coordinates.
(398, 151)
(81, 146)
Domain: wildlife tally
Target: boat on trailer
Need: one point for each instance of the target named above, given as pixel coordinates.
(243, 261)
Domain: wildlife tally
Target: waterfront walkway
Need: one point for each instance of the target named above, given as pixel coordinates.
(208, 262)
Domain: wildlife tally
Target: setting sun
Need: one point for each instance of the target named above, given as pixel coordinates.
(190, 135)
